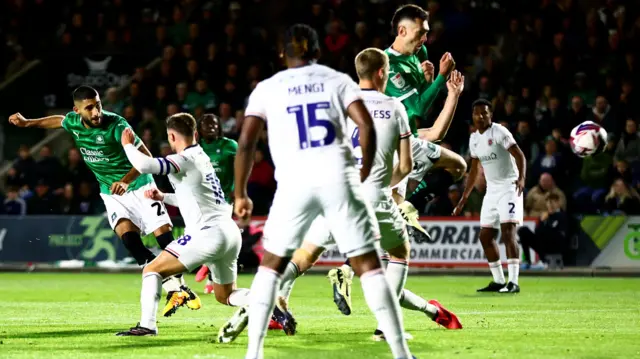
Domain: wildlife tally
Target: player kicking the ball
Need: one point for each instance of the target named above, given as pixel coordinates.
(307, 106)
(211, 236)
(393, 137)
(504, 164)
(97, 135)
(221, 152)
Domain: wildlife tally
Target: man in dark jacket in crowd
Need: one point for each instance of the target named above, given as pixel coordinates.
(551, 234)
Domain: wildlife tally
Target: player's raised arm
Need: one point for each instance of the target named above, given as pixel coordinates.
(359, 114)
(455, 86)
(49, 122)
(430, 93)
(143, 163)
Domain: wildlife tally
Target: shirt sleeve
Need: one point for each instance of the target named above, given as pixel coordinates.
(257, 103)
(66, 121)
(403, 120)
(505, 138)
(349, 92)
(171, 199)
(157, 165)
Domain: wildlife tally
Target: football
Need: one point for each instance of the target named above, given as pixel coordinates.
(587, 139)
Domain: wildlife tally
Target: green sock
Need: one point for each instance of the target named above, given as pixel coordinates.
(422, 185)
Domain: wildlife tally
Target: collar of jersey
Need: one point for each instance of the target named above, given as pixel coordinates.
(188, 147)
(394, 52)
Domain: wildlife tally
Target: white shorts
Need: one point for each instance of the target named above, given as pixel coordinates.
(501, 205)
(146, 214)
(425, 154)
(393, 232)
(216, 245)
(348, 217)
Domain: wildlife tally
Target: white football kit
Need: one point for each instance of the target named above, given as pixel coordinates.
(392, 124)
(211, 237)
(144, 213)
(305, 110)
(501, 203)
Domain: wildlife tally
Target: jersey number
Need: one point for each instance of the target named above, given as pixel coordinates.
(183, 240)
(215, 185)
(512, 208)
(305, 125)
(159, 208)
(355, 142)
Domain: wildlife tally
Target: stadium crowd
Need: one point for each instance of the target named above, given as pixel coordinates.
(545, 65)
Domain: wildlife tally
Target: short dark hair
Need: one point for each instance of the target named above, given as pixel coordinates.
(84, 93)
(183, 123)
(407, 12)
(482, 102)
(301, 41)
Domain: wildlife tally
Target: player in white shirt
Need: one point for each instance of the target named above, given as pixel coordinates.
(492, 146)
(306, 107)
(393, 139)
(211, 236)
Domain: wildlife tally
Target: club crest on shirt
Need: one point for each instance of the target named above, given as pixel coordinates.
(100, 139)
(398, 80)
(490, 142)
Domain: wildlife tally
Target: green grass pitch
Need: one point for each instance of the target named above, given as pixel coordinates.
(48, 315)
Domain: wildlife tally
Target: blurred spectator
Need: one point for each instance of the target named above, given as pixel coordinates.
(261, 183)
(111, 101)
(161, 101)
(577, 115)
(526, 141)
(181, 94)
(595, 177)
(474, 203)
(622, 199)
(550, 161)
(14, 205)
(43, 201)
(228, 122)
(87, 203)
(444, 205)
(202, 96)
(151, 123)
(535, 202)
(602, 115)
(622, 171)
(24, 168)
(551, 234)
(67, 200)
(49, 169)
(629, 145)
(76, 170)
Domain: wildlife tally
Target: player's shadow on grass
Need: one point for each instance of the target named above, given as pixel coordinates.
(60, 333)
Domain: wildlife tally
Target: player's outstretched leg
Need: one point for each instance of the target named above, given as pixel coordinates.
(165, 265)
(508, 231)
(448, 168)
(490, 247)
(178, 293)
(382, 301)
(228, 294)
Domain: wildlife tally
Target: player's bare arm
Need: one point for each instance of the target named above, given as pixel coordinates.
(405, 164)
(521, 161)
(455, 86)
(359, 114)
(251, 130)
(471, 180)
(120, 187)
(49, 122)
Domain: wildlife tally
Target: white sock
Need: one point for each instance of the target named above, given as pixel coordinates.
(182, 280)
(261, 303)
(410, 300)
(149, 298)
(209, 282)
(171, 284)
(397, 275)
(239, 297)
(288, 279)
(384, 305)
(513, 264)
(496, 271)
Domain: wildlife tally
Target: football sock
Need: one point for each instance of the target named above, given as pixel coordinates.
(513, 265)
(133, 243)
(397, 275)
(171, 284)
(435, 183)
(384, 260)
(261, 303)
(384, 305)
(288, 279)
(149, 298)
(239, 297)
(496, 271)
(164, 239)
(412, 301)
